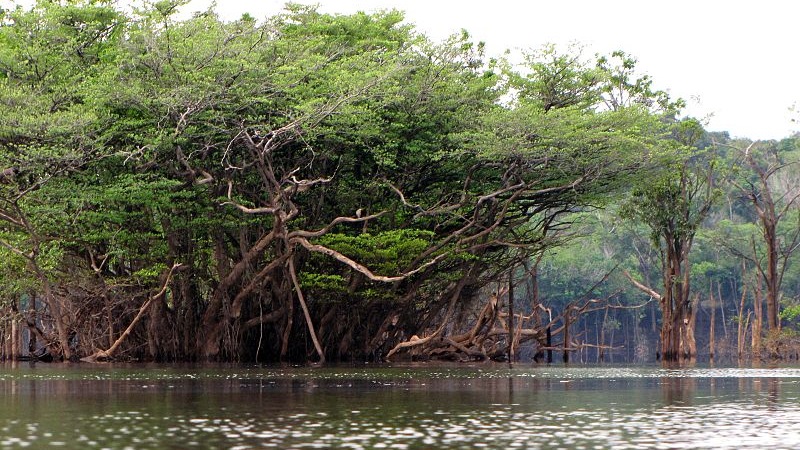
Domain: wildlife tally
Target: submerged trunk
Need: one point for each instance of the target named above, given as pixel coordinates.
(713, 308)
(758, 318)
(677, 328)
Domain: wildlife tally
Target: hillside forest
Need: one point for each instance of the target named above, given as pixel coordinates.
(313, 187)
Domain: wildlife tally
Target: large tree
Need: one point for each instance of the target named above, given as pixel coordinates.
(309, 186)
(674, 204)
(766, 178)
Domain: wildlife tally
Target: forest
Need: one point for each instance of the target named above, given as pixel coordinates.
(313, 187)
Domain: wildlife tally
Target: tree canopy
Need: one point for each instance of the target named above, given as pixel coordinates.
(309, 186)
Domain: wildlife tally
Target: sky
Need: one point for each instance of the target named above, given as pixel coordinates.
(734, 62)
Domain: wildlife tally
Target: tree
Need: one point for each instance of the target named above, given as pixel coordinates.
(552, 150)
(50, 59)
(767, 181)
(307, 187)
(674, 205)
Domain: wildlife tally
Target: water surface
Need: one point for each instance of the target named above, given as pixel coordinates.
(397, 407)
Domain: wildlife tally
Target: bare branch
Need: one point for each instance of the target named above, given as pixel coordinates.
(359, 267)
(333, 223)
(450, 309)
(106, 354)
(306, 314)
(296, 185)
(403, 197)
(246, 210)
(646, 289)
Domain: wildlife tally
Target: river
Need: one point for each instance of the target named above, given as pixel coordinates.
(411, 406)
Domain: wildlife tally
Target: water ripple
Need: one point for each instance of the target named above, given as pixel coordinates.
(401, 407)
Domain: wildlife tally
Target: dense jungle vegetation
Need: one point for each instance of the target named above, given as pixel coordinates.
(316, 187)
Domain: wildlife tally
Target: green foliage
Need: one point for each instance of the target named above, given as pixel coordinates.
(387, 253)
(557, 80)
(790, 313)
(318, 282)
(149, 275)
(138, 140)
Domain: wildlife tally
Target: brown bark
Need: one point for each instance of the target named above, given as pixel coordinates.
(742, 325)
(758, 318)
(511, 332)
(59, 317)
(677, 327)
(770, 213)
(677, 334)
(688, 340)
(455, 294)
(214, 320)
(301, 299)
(100, 355)
(713, 307)
(566, 348)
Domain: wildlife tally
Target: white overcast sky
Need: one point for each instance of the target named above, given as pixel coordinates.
(736, 62)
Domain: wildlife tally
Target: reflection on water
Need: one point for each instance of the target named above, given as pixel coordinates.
(399, 407)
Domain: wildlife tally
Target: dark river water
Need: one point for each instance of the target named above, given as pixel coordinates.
(397, 407)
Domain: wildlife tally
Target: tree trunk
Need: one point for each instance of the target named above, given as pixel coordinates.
(758, 318)
(722, 311)
(214, 318)
(677, 329)
(765, 205)
(566, 334)
(15, 339)
(56, 309)
(713, 308)
(772, 276)
(690, 318)
(671, 309)
(602, 342)
(32, 312)
(306, 313)
(287, 328)
(111, 351)
(511, 315)
(741, 328)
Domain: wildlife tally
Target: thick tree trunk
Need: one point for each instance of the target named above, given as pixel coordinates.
(690, 318)
(215, 317)
(670, 310)
(677, 328)
(59, 317)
